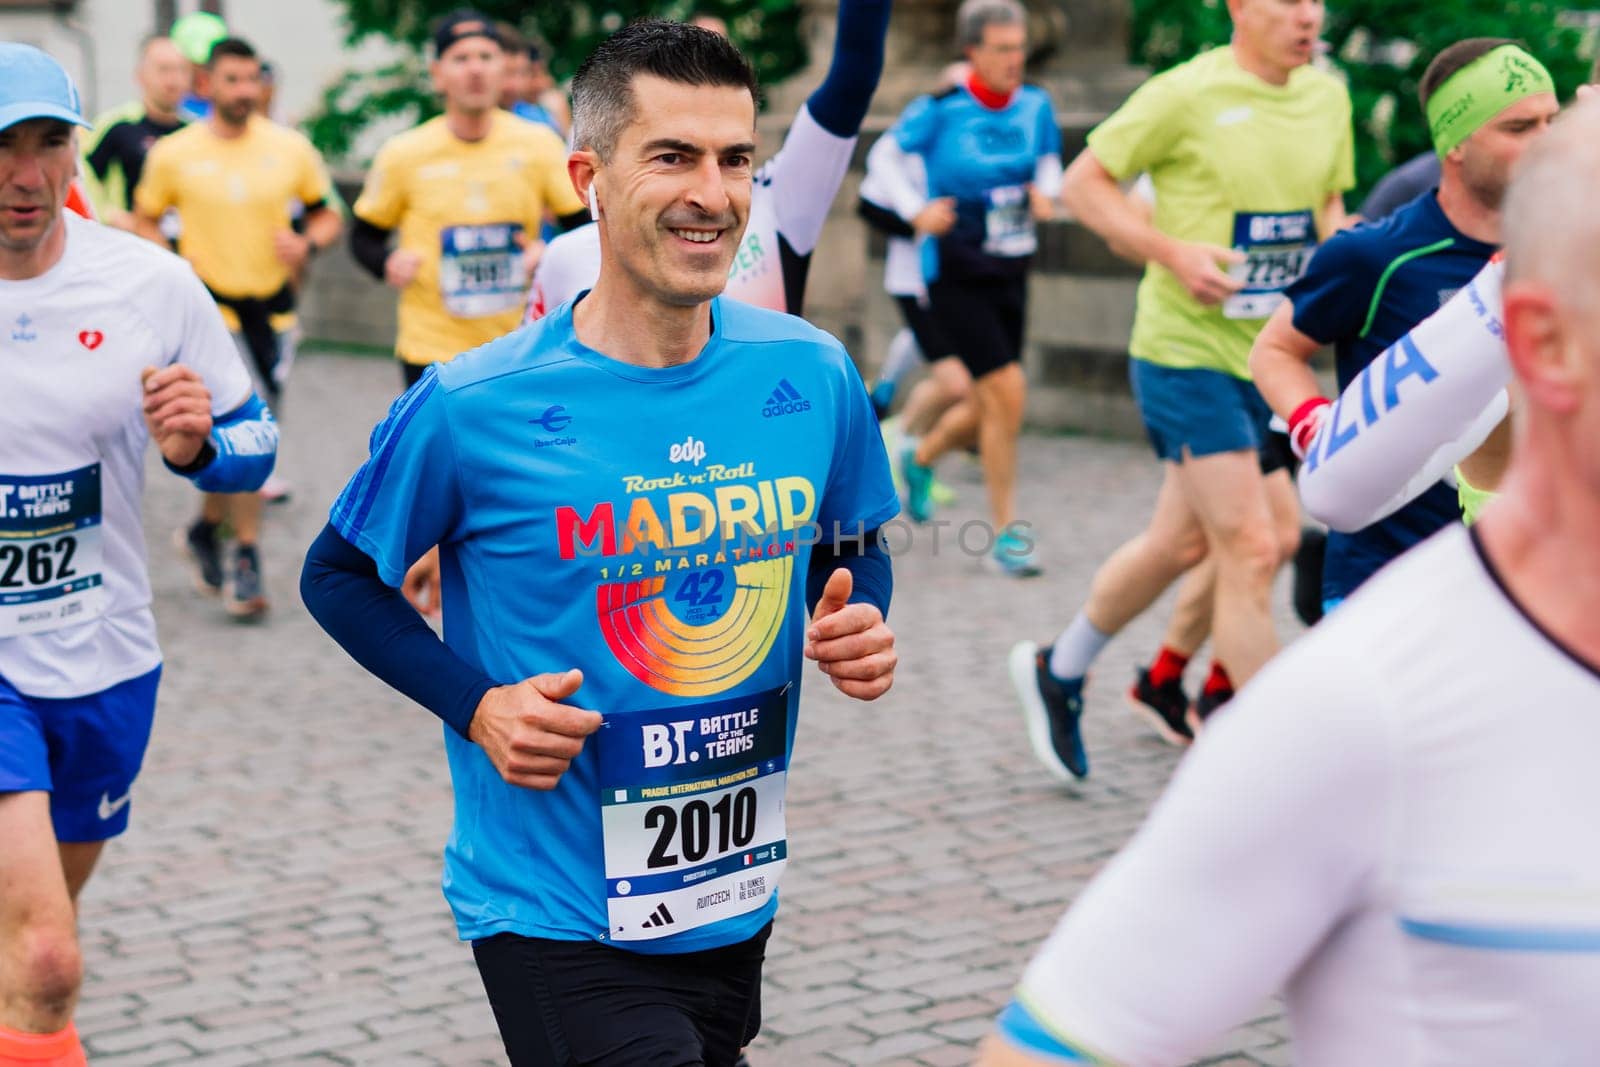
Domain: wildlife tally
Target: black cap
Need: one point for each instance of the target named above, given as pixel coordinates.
(459, 25)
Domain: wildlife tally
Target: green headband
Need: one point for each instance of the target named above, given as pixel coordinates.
(1479, 91)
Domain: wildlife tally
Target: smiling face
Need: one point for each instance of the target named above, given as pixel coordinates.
(675, 195)
(38, 158)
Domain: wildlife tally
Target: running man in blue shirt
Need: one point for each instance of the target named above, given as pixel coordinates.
(636, 501)
(1366, 287)
(991, 151)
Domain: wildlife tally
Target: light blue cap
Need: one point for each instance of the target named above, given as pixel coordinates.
(34, 86)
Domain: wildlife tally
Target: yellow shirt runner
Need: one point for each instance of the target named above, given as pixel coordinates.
(467, 208)
(1237, 162)
(232, 196)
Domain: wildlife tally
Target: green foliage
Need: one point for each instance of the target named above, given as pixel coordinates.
(767, 30)
(1383, 46)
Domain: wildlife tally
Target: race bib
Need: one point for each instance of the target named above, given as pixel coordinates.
(692, 808)
(50, 550)
(1008, 229)
(1277, 248)
(480, 269)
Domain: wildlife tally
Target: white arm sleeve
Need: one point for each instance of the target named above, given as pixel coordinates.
(896, 179)
(1424, 403)
(1048, 175)
(1272, 831)
(806, 175)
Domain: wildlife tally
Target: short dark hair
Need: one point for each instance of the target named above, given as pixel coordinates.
(602, 90)
(1452, 60)
(231, 46)
(511, 38)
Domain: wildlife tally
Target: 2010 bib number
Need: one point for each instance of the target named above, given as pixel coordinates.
(727, 824)
(692, 813)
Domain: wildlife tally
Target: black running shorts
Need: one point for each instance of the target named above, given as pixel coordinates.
(931, 338)
(983, 319)
(563, 1003)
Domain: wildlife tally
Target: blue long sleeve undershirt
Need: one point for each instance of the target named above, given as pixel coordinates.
(840, 103)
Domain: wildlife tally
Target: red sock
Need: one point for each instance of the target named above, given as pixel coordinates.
(1218, 681)
(1168, 666)
(60, 1049)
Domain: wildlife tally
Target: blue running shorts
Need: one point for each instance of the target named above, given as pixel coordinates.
(84, 751)
(1201, 412)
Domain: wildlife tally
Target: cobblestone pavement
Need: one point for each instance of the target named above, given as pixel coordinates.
(277, 900)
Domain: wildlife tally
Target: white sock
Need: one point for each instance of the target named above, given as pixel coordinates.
(902, 357)
(1076, 648)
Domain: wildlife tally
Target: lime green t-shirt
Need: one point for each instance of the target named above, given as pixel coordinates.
(1473, 500)
(1236, 162)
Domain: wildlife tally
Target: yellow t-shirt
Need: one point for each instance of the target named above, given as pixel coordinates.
(1236, 162)
(232, 196)
(464, 207)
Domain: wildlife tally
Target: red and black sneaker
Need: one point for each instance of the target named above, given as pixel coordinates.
(1165, 707)
(1206, 703)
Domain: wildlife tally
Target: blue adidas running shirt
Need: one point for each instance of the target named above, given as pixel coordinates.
(651, 527)
(1364, 289)
(985, 158)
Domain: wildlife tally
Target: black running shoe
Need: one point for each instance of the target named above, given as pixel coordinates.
(246, 598)
(1164, 707)
(1308, 575)
(1204, 705)
(1053, 710)
(201, 546)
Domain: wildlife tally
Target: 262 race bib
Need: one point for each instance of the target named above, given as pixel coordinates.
(480, 269)
(50, 550)
(1277, 247)
(692, 810)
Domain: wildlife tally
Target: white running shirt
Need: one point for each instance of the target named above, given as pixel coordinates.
(897, 181)
(789, 201)
(74, 596)
(1394, 824)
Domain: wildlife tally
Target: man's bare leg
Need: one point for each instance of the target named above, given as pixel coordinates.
(946, 384)
(41, 967)
(1228, 495)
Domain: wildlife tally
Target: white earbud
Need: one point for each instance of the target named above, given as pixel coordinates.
(594, 204)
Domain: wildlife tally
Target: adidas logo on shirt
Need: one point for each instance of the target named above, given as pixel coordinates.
(660, 917)
(785, 400)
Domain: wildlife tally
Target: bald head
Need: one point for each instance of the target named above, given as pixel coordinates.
(1552, 298)
(164, 75)
(1551, 222)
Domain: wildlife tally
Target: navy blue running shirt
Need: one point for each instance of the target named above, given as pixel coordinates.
(652, 527)
(1363, 290)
